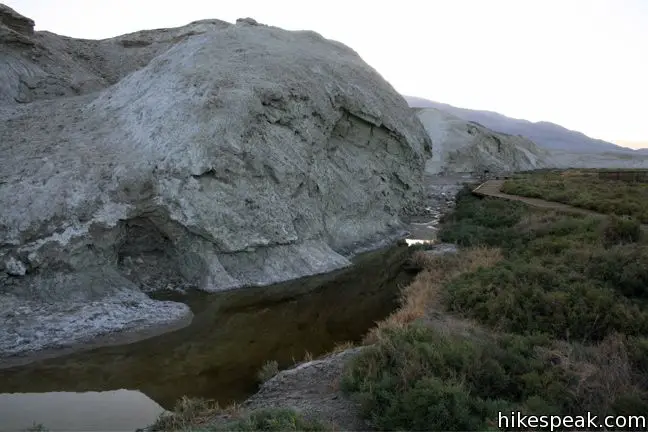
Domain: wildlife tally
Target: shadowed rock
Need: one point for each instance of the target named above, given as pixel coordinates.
(212, 155)
(16, 22)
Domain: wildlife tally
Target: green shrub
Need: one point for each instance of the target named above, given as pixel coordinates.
(482, 221)
(570, 295)
(559, 277)
(433, 404)
(526, 298)
(619, 230)
(186, 413)
(583, 190)
(630, 405)
(418, 379)
(272, 420)
(623, 268)
(268, 370)
(638, 354)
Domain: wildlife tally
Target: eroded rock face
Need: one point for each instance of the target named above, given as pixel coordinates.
(14, 21)
(232, 155)
(463, 146)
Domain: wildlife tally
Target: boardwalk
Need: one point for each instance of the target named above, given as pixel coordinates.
(492, 188)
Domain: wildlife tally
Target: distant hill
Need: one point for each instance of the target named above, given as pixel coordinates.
(547, 135)
(639, 146)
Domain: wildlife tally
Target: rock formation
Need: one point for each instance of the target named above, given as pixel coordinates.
(462, 147)
(11, 20)
(562, 148)
(212, 155)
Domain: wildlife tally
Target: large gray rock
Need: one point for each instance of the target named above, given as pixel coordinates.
(238, 155)
(43, 65)
(462, 146)
(14, 21)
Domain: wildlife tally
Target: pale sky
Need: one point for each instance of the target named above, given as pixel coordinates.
(579, 63)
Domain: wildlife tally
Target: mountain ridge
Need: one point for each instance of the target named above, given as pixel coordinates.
(546, 134)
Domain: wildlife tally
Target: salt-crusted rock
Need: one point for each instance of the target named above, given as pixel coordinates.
(464, 146)
(224, 155)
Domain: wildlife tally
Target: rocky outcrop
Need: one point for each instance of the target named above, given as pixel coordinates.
(313, 390)
(16, 22)
(215, 155)
(43, 65)
(463, 146)
(15, 29)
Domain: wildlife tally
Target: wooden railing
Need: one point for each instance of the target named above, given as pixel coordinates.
(491, 175)
(640, 176)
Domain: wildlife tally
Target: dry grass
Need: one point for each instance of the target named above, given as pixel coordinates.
(423, 296)
(537, 220)
(268, 370)
(343, 346)
(603, 370)
(190, 413)
(449, 325)
(422, 260)
(308, 357)
(604, 373)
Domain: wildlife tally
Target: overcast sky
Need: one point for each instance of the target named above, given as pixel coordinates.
(579, 63)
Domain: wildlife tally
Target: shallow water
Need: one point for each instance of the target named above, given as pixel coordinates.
(65, 411)
(218, 355)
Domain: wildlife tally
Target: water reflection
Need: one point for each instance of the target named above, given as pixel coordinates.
(232, 335)
(120, 410)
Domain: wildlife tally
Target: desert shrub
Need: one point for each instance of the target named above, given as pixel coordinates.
(558, 277)
(630, 404)
(525, 298)
(572, 307)
(434, 404)
(415, 378)
(619, 230)
(482, 221)
(581, 227)
(624, 268)
(422, 295)
(37, 427)
(268, 370)
(187, 413)
(586, 191)
(272, 420)
(638, 355)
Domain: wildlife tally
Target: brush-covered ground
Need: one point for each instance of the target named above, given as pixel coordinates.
(539, 312)
(584, 188)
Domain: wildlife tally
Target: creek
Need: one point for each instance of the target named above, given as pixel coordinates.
(217, 356)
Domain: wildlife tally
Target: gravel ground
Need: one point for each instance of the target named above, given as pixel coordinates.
(312, 388)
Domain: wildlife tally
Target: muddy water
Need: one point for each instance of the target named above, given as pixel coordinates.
(231, 336)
